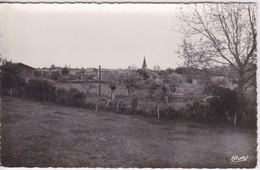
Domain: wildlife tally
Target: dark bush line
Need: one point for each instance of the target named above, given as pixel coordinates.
(219, 109)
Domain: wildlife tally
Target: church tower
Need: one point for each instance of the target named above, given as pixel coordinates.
(144, 64)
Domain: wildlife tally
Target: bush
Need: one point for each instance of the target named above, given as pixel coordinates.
(11, 80)
(74, 97)
(220, 106)
(60, 95)
(152, 86)
(225, 99)
(40, 89)
(143, 73)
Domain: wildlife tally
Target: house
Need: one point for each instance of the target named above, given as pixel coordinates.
(87, 74)
(193, 78)
(25, 71)
(48, 73)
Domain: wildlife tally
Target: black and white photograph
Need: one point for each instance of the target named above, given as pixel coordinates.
(134, 84)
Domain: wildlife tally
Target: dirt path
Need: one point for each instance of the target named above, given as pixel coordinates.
(48, 135)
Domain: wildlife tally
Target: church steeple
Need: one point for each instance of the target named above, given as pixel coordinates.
(144, 64)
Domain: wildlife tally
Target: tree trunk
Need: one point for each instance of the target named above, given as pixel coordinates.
(240, 98)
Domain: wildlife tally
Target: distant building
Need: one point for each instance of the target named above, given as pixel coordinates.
(48, 73)
(25, 71)
(144, 64)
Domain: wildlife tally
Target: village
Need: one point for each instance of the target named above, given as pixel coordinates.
(129, 85)
(179, 89)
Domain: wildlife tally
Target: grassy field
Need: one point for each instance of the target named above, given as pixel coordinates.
(177, 102)
(48, 135)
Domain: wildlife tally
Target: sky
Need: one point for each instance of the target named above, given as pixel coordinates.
(89, 35)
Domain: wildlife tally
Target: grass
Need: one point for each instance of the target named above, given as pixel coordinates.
(176, 103)
(47, 135)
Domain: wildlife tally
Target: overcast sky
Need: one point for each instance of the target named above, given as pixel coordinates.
(88, 35)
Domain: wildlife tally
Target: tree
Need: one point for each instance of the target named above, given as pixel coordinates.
(152, 86)
(130, 79)
(143, 73)
(88, 85)
(41, 89)
(64, 71)
(111, 78)
(157, 68)
(133, 67)
(222, 35)
(172, 81)
(179, 70)
(10, 77)
(52, 66)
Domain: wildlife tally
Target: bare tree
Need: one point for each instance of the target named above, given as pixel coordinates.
(130, 79)
(222, 34)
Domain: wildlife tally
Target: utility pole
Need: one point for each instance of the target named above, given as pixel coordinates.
(99, 81)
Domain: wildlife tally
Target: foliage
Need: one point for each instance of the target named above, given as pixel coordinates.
(179, 70)
(55, 75)
(143, 73)
(112, 87)
(225, 100)
(10, 78)
(169, 70)
(9, 75)
(134, 103)
(88, 85)
(111, 78)
(64, 71)
(221, 81)
(40, 89)
(130, 80)
(60, 95)
(37, 73)
(157, 68)
(172, 81)
(222, 34)
(74, 97)
(152, 86)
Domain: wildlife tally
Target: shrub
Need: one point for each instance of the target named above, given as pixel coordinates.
(10, 79)
(55, 75)
(143, 73)
(60, 95)
(74, 97)
(225, 99)
(130, 80)
(40, 89)
(152, 87)
(113, 86)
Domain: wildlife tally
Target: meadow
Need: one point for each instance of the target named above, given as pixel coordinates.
(36, 134)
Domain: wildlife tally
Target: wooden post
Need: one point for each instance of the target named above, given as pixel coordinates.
(117, 105)
(99, 81)
(112, 96)
(158, 111)
(235, 119)
(11, 92)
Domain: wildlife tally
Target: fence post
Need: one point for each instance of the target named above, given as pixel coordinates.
(99, 81)
(158, 111)
(235, 119)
